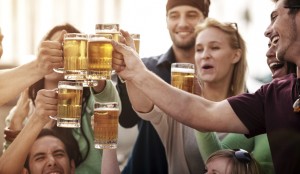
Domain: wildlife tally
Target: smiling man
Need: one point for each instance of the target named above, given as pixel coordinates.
(148, 154)
(269, 110)
(49, 154)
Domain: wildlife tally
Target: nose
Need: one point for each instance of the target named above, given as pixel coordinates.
(205, 54)
(182, 21)
(51, 161)
(268, 31)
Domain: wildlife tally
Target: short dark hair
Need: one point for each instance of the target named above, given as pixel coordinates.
(66, 138)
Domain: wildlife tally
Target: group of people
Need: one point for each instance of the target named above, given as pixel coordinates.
(219, 128)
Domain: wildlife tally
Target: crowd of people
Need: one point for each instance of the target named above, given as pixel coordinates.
(219, 128)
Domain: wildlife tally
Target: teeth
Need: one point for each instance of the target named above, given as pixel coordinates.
(183, 33)
(274, 64)
(275, 40)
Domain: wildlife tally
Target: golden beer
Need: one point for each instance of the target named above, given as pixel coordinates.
(136, 39)
(183, 77)
(109, 29)
(99, 57)
(75, 56)
(106, 119)
(69, 104)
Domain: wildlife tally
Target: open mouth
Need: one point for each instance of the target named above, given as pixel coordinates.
(276, 65)
(274, 40)
(207, 67)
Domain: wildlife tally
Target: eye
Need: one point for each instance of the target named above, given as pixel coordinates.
(173, 16)
(199, 50)
(273, 17)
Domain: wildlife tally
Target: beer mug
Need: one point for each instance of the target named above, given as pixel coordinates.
(136, 39)
(105, 124)
(182, 76)
(112, 29)
(75, 56)
(69, 104)
(99, 57)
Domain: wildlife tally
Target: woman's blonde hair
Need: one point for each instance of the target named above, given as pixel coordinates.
(240, 160)
(238, 82)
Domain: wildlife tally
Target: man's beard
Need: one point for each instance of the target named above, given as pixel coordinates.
(189, 44)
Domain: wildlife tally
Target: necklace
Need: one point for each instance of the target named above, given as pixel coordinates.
(296, 104)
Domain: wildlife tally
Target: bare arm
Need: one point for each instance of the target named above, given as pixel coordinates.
(189, 109)
(14, 81)
(110, 163)
(13, 159)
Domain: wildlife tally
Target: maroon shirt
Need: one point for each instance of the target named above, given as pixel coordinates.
(270, 110)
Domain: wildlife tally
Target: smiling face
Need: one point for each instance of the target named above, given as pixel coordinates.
(48, 155)
(215, 59)
(278, 68)
(283, 28)
(181, 21)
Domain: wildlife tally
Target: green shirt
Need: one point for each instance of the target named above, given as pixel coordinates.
(258, 146)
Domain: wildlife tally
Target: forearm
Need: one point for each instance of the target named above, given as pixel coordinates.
(207, 143)
(14, 81)
(140, 102)
(189, 109)
(13, 159)
(110, 163)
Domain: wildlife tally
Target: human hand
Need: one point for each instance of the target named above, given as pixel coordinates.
(21, 111)
(126, 61)
(50, 55)
(46, 105)
(100, 86)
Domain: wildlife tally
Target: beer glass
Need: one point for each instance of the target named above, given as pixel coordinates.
(182, 76)
(99, 57)
(69, 104)
(136, 39)
(106, 119)
(112, 29)
(75, 58)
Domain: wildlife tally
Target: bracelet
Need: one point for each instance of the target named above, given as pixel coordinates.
(10, 135)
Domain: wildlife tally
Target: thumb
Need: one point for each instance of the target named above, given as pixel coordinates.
(61, 36)
(121, 48)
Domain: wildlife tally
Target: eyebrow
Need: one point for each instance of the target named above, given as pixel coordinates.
(42, 153)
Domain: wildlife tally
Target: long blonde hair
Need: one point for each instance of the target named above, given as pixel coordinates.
(238, 82)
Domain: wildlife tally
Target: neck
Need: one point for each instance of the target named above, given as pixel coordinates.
(216, 91)
(184, 55)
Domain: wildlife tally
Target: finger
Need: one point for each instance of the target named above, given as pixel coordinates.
(128, 39)
(121, 48)
(61, 37)
(51, 44)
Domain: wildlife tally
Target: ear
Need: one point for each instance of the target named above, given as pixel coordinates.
(237, 56)
(73, 166)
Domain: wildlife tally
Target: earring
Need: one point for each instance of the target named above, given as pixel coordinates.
(296, 105)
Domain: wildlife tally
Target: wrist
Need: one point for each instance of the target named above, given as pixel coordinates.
(10, 134)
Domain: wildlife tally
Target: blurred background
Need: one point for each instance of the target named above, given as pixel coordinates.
(25, 22)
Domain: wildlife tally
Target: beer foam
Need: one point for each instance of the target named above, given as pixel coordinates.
(97, 39)
(71, 87)
(106, 109)
(182, 70)
(77, 38)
